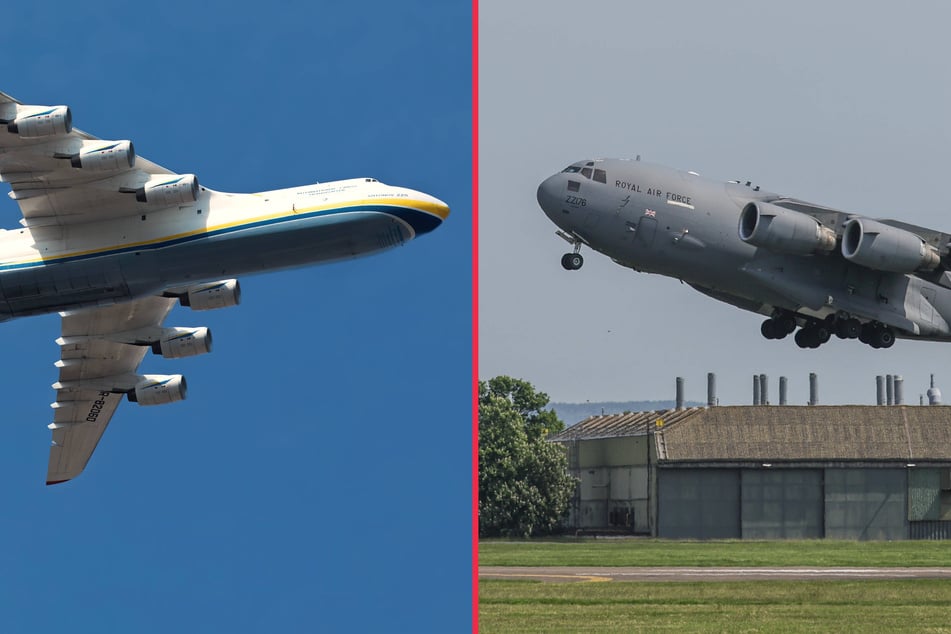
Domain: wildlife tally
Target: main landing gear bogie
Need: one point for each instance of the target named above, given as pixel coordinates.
(817, 332)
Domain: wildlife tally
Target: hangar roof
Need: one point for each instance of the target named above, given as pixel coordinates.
(790, 433)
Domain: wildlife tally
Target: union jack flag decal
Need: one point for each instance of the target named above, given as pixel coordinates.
(650, 213)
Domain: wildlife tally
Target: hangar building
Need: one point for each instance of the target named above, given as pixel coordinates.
(765, 472)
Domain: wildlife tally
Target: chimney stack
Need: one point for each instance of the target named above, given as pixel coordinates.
(763, 389)
(711, 389)
(782, 390)
(889, 389)
(899, 390)
(755, 389)
(813, 389)
(879, 390)
(680, 392)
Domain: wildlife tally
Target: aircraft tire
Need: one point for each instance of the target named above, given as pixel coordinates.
(571, 261)
(822, 334)
(768, 329)
(885, 338)
(786, 323)
(802, 338)
(853, 327)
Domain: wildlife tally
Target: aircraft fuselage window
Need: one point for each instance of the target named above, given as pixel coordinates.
(586, 172)
(571, 169)
(601, 176)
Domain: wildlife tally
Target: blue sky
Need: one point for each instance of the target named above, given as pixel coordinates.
(318, 476)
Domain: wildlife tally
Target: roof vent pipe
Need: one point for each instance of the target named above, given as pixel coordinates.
(813, 389)
(755, 389)
(711, 389)
(899, 390)
(680, 392)
(763, 389)
(889, 389)
(782, 390)
(879, 390)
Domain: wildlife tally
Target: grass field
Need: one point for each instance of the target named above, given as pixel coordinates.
(654, 552)
(922, 605)
(761, 606)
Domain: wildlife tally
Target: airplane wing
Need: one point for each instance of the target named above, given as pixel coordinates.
(61, 175)
(93, 364)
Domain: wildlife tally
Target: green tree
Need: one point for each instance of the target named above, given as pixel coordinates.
(524, 486)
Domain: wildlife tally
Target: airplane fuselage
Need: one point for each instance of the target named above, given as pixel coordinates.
(660, 220)
(63, 267)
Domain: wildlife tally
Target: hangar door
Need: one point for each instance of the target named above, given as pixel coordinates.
(782, 503)
(698, 503)
(866, 503)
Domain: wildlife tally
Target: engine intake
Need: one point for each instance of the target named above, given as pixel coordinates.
(784, 231)
(884, 248)
(169, 190)
(159, 389)
(119, 155)
(177, 343)
(212, 295)
(55, 121)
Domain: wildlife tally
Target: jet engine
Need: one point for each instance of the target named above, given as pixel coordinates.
(169, 190)
(158, 389)
(784, 231)
(885, 248)
(213, 295)
(115, 156)
(183, 342)
(55, 121)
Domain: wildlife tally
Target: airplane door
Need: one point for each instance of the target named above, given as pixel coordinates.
(646, 229)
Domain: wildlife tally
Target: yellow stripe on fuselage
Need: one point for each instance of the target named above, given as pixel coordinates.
(441, 211)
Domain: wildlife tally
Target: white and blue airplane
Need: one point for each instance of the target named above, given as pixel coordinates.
(112, 242)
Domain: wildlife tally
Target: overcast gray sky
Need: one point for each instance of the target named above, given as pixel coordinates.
(836, 103)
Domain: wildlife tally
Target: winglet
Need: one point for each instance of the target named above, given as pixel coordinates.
(49, 482)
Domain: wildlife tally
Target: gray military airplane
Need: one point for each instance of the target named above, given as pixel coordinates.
(803, 265)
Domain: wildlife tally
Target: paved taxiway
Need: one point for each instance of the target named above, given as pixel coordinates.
(671, 573)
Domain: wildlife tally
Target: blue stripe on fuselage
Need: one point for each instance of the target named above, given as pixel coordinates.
(420, 221)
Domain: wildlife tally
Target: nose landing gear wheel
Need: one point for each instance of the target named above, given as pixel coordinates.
(572, 261)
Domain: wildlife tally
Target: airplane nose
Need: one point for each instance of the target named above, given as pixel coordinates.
(547, 195)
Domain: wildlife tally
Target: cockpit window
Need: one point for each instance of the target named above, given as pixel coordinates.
(571, 169)
(586, 172)
(601, 176)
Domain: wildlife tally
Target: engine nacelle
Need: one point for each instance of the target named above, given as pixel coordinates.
(784, 231)
(55, 121)
(212, 295)
(183, 342)
(159, 389)
(169, 190)
(884, 248)
(115, 156)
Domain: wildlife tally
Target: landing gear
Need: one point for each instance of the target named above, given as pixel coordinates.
(778, 327)
(816, 332)
(848, 328)
(814, 335)
(877, 335)
(572, 261)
